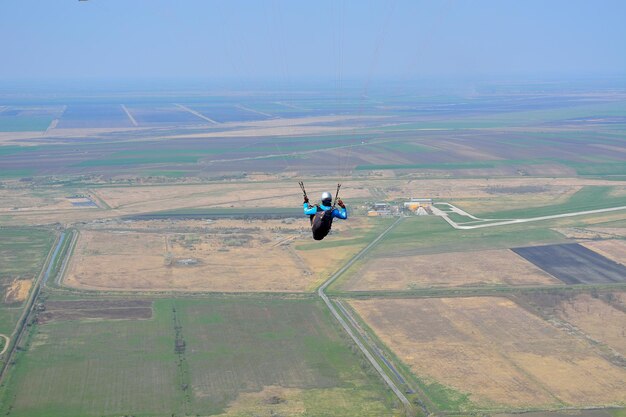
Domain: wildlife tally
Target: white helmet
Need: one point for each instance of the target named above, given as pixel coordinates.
(327, 198)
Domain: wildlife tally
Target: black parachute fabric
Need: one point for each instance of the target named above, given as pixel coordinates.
(321, 222)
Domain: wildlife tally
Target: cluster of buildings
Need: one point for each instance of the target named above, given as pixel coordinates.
(415, 206)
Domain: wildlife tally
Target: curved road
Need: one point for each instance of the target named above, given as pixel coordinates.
(6, 343)
(515, 221)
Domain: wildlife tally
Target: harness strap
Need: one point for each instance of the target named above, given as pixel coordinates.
(302, 187)
(336, 196)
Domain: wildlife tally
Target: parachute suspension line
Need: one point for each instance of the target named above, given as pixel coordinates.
(303, 190)
(373, 64)
(336, 196)
(279, 49)
(424, 42)
(338, 49)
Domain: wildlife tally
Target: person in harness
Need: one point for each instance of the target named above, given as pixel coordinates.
(322, 214)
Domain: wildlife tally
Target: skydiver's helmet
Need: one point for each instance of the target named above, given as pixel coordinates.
(327, 198)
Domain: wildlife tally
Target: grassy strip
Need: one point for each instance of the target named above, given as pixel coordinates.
(587, 198)
(493, 290)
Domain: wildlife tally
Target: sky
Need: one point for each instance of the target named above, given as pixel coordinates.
(294, 40)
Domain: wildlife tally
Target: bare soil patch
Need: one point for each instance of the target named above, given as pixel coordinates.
(456, 269)
(17, 291)
(494, 350)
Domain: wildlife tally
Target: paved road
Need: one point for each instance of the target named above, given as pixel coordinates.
(347, 328)
(516, 221)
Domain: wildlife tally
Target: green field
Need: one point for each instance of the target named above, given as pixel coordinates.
(354, 236)
(24, 124)
(23, 252)
(588, 198)
(231, 347)
(430, 234)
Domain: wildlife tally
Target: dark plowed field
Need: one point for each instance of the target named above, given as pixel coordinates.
(574, 264)
(88, 309)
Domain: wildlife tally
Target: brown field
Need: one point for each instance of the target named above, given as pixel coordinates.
(191, 262)
(14, 201)
(497, 352)
(490, 267)
(242, 195)
(610, 231)
(95, 310)
(612, 249)
(221, 256)
(597, 318)
(602, 318)
(17, 291)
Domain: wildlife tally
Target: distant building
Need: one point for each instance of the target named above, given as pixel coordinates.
(380, 209)
(419, 206)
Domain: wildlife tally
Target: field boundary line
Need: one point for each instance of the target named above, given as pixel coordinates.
(100, 200)
(195, 113)
(53, 124)
(347, 328)
(451, 292)
(130, 116)
(242, 107)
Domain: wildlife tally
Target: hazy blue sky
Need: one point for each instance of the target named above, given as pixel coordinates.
(48, 39)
